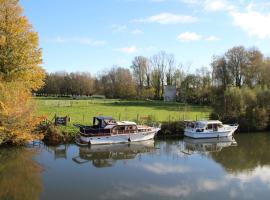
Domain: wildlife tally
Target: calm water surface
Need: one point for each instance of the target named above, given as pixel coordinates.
(171, 169)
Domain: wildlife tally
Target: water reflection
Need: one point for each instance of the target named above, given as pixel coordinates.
(20, 176)
(107, 155)
(207, 145)
(251, 152)
(169, 169)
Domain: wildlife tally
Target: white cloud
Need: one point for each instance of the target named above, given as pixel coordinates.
(162, 169)
(212, 38)
(189, 36)
(135, 191)
(259, 173)
(254, 19)
(218, 5)
(119, 28)
(128, 50)
(137, 32)
(210, 185)
(167, 18)
(211, 5)
(78, 40)
(192, 36)
(254, 23)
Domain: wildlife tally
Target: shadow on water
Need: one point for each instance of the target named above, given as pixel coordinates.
(20, 175)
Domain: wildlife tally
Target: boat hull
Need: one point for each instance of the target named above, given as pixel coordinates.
(210, 134)
(118, 138)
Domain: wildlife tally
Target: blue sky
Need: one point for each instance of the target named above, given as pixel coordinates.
(93, 35)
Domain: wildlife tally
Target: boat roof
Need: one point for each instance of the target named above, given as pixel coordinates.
(126, 123)
(122, 123)
(104, 118)
(209, 122)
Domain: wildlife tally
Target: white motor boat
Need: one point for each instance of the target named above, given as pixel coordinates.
(209, 129)
(106, 130)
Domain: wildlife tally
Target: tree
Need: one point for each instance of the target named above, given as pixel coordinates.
(20, 73)
(205, 88)
(264, 78)
(189, 89)
(117, 83)
(252, 72)
(155, 77)
(220, 72)
(170, 68)
(178, 77)
(237, 61)
(160, 63)
(140, 66)
(20, 55)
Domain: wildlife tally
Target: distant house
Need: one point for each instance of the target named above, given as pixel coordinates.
(169, 93)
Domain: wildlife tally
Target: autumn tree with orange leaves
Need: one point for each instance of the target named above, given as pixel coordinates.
(20, 74)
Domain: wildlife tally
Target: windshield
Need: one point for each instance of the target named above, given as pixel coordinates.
(200, 125)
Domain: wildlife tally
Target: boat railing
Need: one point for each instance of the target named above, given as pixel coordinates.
(123, 132)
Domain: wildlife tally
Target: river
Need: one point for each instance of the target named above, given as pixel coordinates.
(162, 169)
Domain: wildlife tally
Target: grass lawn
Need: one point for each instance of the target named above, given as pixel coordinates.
(82, 111)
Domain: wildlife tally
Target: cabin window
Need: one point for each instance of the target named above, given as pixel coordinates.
(118, 129)
(122, 128)
(215, 127)
(191, 125)
(209, 126)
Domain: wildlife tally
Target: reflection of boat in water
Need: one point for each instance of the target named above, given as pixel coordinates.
(107, 155)
(207, 145)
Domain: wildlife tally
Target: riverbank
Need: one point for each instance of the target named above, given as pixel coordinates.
(55, 135)
(168, 114)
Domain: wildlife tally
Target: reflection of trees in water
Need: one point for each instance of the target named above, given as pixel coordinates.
(59, 151)
(20, 176)
(252, 151)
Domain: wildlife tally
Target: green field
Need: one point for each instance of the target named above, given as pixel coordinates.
(82, 111)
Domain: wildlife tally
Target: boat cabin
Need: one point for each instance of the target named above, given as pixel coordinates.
(200, 126)
(99, 126)
(102, 121)
(103, 125)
